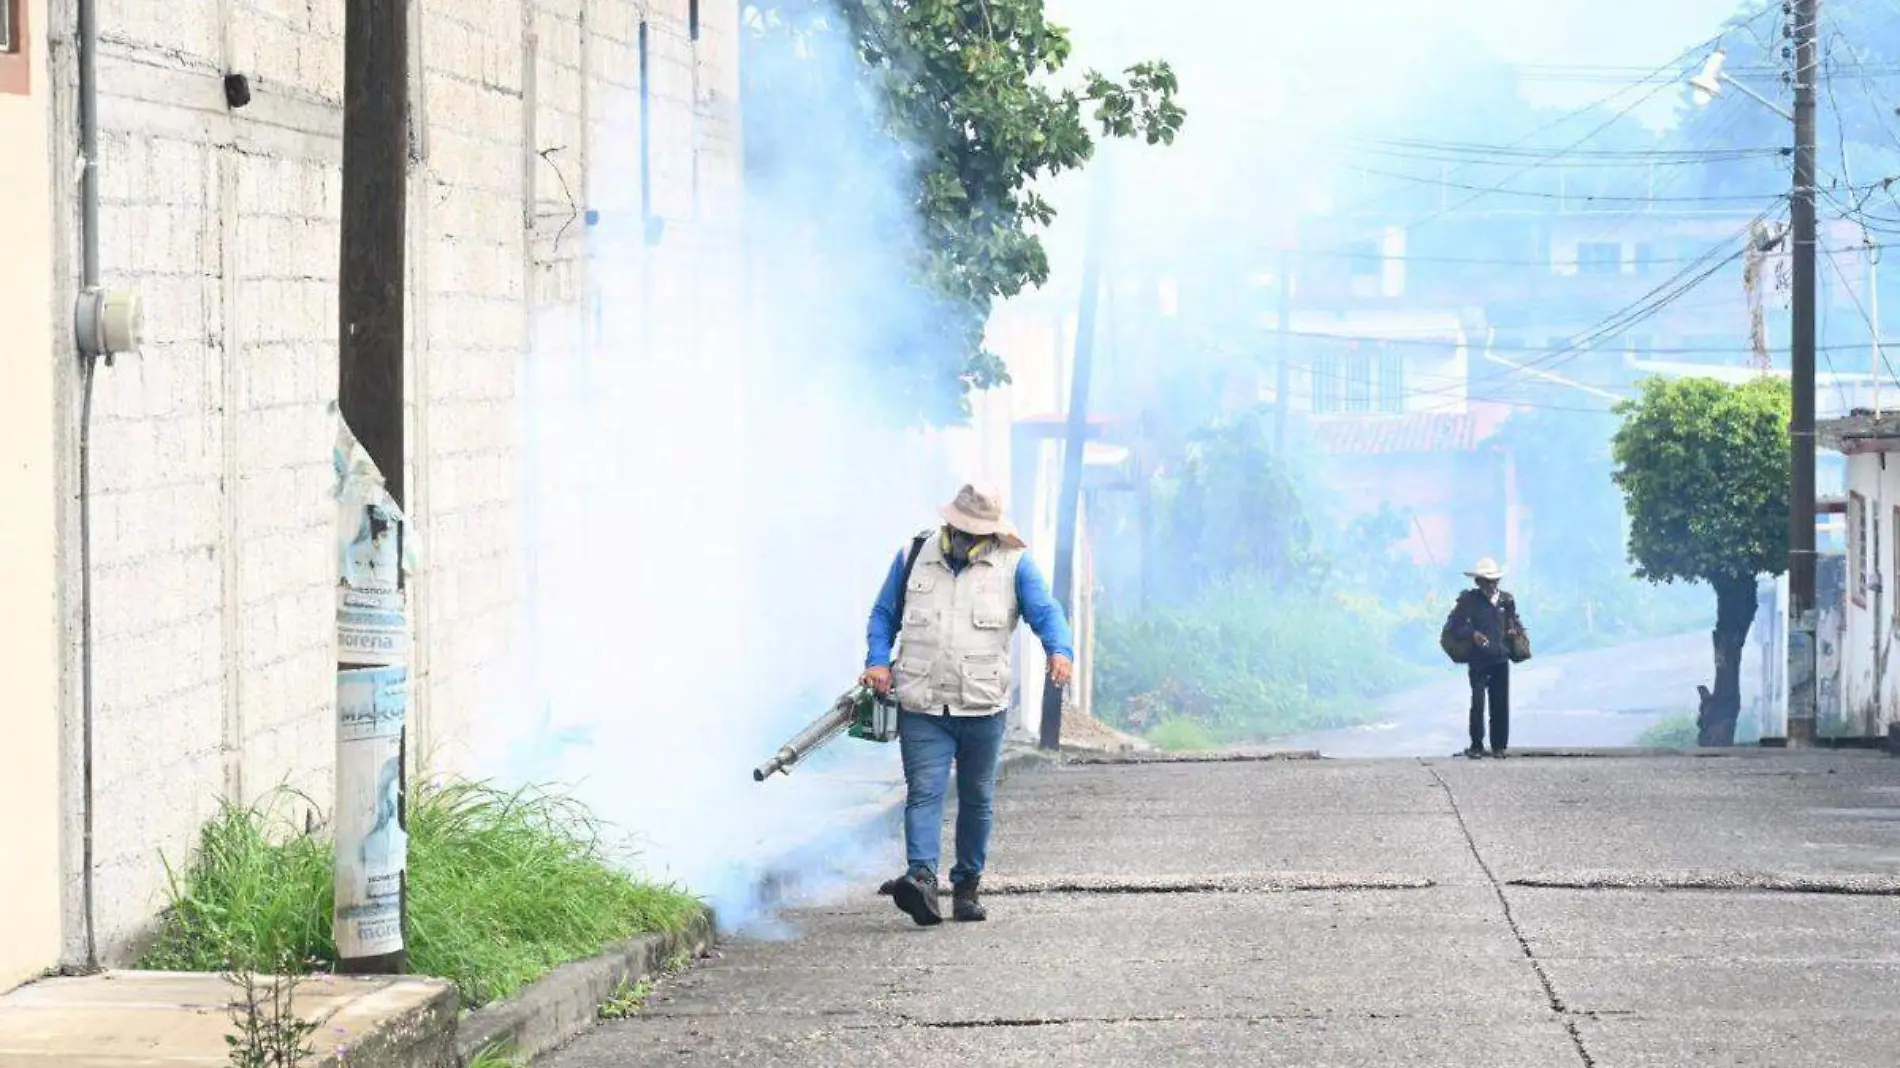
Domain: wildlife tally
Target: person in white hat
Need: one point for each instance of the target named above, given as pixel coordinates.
(1484, 622)
(956, 592)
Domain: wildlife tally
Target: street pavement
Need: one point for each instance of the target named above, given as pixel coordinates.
(1603, 697)
(1352, 913)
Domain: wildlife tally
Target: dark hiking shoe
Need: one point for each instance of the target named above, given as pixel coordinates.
(1497, 754)
(916, 895)
(888, 887)
(964, 905)
(1474, 753)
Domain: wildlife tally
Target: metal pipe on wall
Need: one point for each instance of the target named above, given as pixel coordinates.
(86, 50)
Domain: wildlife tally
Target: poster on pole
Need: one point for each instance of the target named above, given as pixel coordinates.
(371, 844)
(374, 552)
(372, 628)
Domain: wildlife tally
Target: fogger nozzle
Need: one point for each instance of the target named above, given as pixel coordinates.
(779, 762)
(815, 734)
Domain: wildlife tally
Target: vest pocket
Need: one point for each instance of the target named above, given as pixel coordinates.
(912, 684)
(984, 684)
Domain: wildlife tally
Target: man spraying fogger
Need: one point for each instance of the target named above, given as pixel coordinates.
(956, 593)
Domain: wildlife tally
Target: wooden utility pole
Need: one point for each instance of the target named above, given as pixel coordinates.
(372, 738)
(1075, 441)
(1802, 681)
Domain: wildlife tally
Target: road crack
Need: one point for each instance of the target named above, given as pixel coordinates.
(1557, 1005)
(1215, 883)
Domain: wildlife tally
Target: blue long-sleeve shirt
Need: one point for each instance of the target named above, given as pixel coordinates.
(1039, 610)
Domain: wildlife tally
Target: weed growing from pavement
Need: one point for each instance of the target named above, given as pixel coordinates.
(503, 887)
(497, 1056)
(626, 999)
(269, 1033)
(630, 995)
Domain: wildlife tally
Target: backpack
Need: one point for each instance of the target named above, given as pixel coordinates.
(1456, 648)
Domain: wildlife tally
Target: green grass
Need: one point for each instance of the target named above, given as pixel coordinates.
(1676, 732)
(1181, 736)
(1246, 663)
(503, 887)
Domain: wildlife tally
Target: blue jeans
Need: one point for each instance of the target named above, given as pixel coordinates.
(929, 744)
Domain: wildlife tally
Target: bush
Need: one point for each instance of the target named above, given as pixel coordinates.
(1243, 663)
(1180, 736)
(503, 887)
(1676, 732)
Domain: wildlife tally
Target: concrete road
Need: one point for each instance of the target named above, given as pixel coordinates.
(1604, 697)
(1353, 913)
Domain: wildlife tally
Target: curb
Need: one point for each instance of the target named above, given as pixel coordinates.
(420, 1036)
(1230, 756)
(565, 1003)
(1633, 752)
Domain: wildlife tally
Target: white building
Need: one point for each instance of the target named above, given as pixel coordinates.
(1869, 682)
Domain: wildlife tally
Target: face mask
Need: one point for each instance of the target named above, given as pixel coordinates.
(961, 545)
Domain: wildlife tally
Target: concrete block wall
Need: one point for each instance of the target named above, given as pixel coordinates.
(213, 542)
(213, 660)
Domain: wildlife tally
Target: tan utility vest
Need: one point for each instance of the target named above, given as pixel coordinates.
(954, 649)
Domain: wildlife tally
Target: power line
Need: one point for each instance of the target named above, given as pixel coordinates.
(1419, 342)
(1648, 305)
(1659, 74)
(1499, 190)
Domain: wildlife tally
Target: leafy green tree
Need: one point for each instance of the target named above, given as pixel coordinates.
(1704, 470)
(1236, 510)
(963, 91)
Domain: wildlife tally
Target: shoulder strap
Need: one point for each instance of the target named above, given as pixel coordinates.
(903, 587)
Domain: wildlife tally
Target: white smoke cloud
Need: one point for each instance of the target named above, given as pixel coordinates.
(716, 500)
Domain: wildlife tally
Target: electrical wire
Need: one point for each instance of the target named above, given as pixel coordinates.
(1662, 75)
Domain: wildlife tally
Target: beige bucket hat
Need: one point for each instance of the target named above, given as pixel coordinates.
(979, 510)
(1486, 568)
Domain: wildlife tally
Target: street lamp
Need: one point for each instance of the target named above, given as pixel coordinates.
(1708, 85)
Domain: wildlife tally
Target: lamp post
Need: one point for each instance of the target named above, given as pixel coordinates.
(1801, 504)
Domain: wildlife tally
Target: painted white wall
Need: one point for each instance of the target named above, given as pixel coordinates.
(1870, 673)
(29, 628)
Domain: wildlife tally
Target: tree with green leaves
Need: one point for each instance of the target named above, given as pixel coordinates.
(963, 91)
(1703, 467)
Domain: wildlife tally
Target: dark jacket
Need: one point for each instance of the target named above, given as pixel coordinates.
(1474, 614)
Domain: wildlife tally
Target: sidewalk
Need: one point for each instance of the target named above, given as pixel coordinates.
(1312, 913)
(154, 1019)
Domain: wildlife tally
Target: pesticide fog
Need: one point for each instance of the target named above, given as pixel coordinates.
(715, 497)
(718, 482)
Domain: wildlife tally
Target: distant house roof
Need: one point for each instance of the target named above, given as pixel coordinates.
(1391, 435)
(1860, 432)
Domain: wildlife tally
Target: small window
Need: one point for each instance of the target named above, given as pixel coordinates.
(1391, 383)
(692, 19)
(1645, 257)
(1359, 382)
(1366, 259)
(1599, 257)
(16, 64)
(1326, 383)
